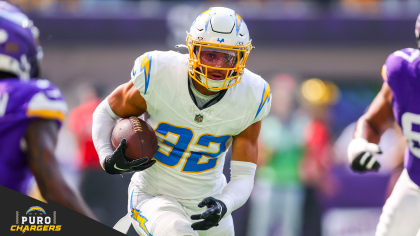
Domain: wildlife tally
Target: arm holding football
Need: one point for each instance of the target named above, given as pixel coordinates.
(124, 101)
(104, 120)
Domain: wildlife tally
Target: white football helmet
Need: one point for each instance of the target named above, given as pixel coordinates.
(220, 31)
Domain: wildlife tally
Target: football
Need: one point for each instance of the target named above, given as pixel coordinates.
(140, 137)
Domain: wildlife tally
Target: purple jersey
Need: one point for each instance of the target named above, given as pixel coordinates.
(402, 73)
(20, 102)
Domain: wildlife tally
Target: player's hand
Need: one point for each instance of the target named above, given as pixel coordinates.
(361, 155)
(117, 164)
(216, 209)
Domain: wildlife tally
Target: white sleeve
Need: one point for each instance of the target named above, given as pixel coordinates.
(238, 190)
(104, 120)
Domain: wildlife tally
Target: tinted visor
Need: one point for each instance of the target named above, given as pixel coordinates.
(220, 58)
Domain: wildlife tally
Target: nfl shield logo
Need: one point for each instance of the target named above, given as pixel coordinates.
(198, 118)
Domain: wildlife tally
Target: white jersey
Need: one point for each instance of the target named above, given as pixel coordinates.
(192, 143)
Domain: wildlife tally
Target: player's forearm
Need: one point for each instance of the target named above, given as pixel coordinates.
(369, 130)
(378, 118)
(237, 192)
(103, 122)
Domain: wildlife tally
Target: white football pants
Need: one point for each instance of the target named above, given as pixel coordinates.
(401, 212)
(166, 216)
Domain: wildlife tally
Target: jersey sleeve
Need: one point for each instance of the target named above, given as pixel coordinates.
(396, 65)
(47, 103)
(142, 74)
(264, 104)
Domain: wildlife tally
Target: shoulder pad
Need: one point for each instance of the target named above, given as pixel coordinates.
(149, 65)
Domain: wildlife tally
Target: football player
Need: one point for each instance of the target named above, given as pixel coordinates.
(31, 113)
(199, 105)
(397, 101)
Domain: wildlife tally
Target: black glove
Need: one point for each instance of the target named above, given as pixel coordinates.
(216, 209)
(117, 164)
(361, 161)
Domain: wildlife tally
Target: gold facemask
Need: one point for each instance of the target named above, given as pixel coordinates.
(198, 70)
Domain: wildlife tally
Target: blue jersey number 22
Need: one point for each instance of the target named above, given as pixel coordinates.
(181, 138)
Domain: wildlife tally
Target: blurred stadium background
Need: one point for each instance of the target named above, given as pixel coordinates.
(323, 60)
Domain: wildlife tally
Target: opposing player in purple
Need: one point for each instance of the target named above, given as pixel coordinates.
(31, 113)
(398, 100)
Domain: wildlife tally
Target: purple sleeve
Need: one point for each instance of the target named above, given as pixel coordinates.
(393, 68)
(400, 66)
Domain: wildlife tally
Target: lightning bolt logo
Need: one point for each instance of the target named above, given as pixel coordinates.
(135, 214)
(264, 99)
(208, 17)
(238, 23)
(146, 66)
(35, 208)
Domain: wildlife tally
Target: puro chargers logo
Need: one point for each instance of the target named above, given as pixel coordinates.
(35, 219)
